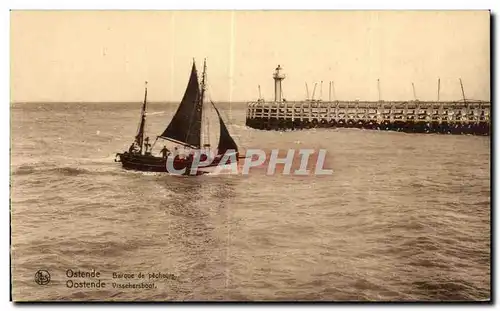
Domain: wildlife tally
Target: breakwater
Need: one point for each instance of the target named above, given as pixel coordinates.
(457, 117)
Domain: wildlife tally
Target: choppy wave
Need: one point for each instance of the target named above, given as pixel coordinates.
(63, 170)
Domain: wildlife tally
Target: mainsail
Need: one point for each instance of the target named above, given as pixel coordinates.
(226, 142)
(185, 126)
(139, 138)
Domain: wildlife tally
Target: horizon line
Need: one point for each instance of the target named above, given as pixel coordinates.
(105, 102)
(247, 101)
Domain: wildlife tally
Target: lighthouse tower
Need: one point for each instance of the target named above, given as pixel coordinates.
(278, 76)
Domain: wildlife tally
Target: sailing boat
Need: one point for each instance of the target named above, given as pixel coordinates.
(183, 130)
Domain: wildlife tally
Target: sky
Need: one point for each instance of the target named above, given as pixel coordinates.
(106, 56)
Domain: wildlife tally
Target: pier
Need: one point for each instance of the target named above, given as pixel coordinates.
(410, 116)
(445, 117)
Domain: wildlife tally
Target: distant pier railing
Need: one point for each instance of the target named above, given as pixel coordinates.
(458, 117)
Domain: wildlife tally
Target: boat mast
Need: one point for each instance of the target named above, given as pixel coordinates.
(378, 87)
(333, 91)
(463, 93)
(140, 135)
(439, 88)
(201, 100)
(314, 91)
(330, 91)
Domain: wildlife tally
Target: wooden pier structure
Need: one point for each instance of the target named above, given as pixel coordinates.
(458, 117)
(448, 117)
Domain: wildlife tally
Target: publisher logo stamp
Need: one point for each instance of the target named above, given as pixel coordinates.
(42, 277)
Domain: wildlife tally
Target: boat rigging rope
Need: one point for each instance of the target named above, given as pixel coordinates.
(152, 146)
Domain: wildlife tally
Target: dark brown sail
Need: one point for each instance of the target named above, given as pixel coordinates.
(185, 126)
(226, 142)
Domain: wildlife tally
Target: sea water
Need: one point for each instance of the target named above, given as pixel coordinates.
(402, 217)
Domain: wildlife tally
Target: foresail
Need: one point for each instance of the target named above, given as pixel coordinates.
(226, 142)
(186, 124)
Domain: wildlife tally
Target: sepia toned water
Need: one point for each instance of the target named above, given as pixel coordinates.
(403, 217)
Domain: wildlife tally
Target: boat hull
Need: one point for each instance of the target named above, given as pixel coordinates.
(149, 163)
